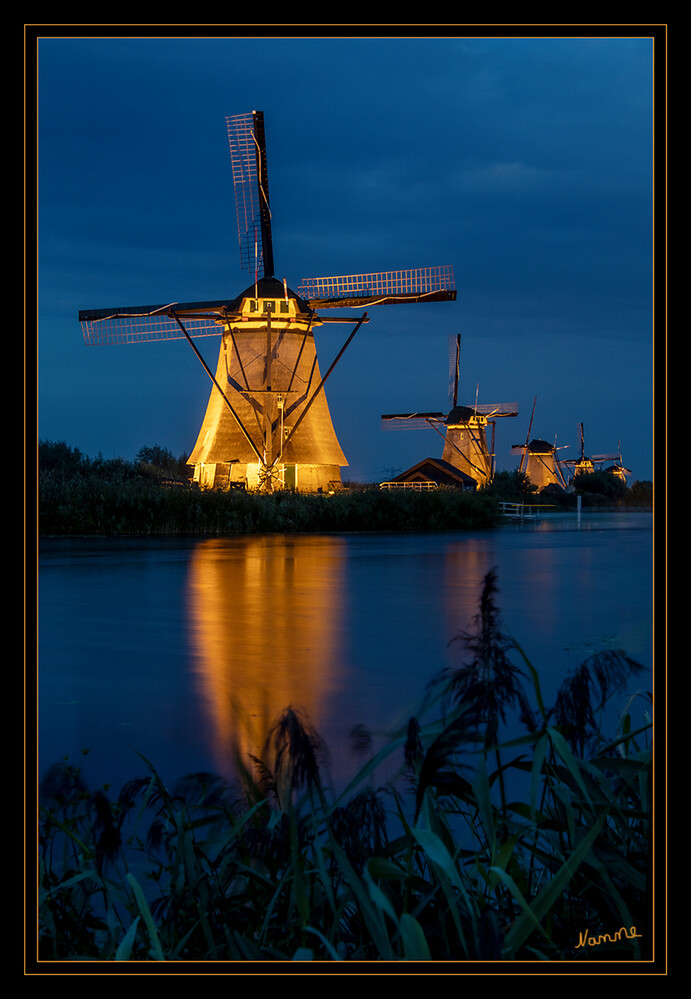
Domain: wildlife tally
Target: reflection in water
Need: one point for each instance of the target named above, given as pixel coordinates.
(222, 635)
(266, 616)
(351, 629)
(464, 568)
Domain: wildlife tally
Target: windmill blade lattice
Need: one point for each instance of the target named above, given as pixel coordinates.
(145, 324)
(492, 409)
(411, 421)
(423, 284)
(246, 139)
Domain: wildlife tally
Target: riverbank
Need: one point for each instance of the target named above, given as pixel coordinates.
(109, 498)
(112, 509)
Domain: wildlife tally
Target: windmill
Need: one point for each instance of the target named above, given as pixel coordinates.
(584, 465)
(618, 470)
(463, 428)
(267, 423)
(539, 460)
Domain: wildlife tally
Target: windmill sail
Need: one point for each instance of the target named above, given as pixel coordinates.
(267, 423)
(143, 324)
(247, 143)
(424, 284)
(454, 369)
(411, 421)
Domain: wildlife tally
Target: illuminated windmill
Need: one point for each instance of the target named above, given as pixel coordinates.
(267, 424)
(539, 460)
(463, 428)
(584, 465)
(618, 470)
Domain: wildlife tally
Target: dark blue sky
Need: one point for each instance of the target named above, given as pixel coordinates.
(526, 163)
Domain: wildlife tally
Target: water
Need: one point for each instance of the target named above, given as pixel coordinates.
(178, 649)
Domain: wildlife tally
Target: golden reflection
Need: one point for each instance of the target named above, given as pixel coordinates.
(266, 622)
(464, 568)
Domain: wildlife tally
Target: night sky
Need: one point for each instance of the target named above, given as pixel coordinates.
(525, 163)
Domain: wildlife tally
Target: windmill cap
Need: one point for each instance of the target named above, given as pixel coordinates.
(540, 447)
(269, 287)
(460, 414)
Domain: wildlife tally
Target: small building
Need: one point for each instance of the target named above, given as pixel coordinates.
(435, 472)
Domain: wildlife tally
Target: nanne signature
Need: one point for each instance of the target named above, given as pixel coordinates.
(592, 941)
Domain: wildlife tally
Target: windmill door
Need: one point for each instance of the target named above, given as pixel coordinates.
(290, 477)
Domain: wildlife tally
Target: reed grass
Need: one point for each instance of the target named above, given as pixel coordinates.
(92, 503)
(534, 848)
(151, 496)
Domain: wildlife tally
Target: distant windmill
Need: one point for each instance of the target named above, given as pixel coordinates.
(463, 428)
(267, 423)
(584, 465)
(539, 460)
(618, 470)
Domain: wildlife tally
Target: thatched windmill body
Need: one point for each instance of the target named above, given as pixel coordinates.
(267, 424)
(539, 460)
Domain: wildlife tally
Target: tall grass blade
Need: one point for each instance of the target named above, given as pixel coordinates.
(415, 947)
(371, 765)
(332, 952)
(373, 919)
(379, 898)
(68, 883)
(146, 916)
(450, 878)
(562, 748)
(124, 951)
(303, 954)
(535, 678)
(435, 850)
(483, 797)
(506, 879)
(548, 896)
(536, 772)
